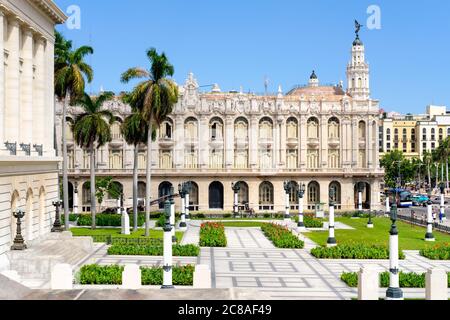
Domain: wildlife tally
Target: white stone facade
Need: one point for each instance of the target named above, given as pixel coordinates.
(322, 136)
(28, 174)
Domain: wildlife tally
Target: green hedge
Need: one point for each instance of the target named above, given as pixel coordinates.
(112, 275)
(353, 251)
(213, 235)
(72, 217)
(439, 252)
(282, 237)
(189, 250)
(107, 220)
(311, 222)
(407, 280)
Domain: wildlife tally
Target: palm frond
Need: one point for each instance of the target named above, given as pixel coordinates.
(134, 73)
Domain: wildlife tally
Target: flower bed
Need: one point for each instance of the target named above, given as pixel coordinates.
(282, 237)
(407, 280)
(311, 222)
(189, 250)
(213, 235)
(438, 252)
(353, 251)
(112, 275)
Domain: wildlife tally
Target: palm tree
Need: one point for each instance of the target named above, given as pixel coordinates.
(90, 128)
(427, 160)
(69, 83)
(135, 131)
(154, 97)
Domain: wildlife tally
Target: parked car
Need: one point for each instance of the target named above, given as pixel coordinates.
(437, 200)
(420, 200)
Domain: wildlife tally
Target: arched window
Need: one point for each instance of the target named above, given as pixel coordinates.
(216, 159)
(115, 129)
(117, 187)
(362, 130)
(292, 128)
(312, 159)
(165, 159)
(313, 194)
(293, 195)
(116, 159)
(69, 133)
(216, 195)
(191, 129)
(216, 129)
(193, 197)
(265, 129)
(313, 128)
(241, 129)
(166, 130)
(164, 190)
(141, 190)
(266, 196)
(292, 159)
(334, 159)
(333, 128)
(86, 194)
(265, 158)
(243, 194)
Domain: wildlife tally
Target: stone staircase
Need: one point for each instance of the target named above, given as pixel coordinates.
(34, 265)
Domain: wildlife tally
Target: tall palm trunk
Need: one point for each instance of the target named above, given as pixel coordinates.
(149, 178)
(92, 165)
(65, 174)
(135, 188)
(446, 170)
(429, 175)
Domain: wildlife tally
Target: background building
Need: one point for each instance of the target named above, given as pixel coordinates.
(28, 163)
(414, 134)
(322, 136)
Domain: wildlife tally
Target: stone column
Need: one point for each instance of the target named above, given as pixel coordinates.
(2, 77)
(26, 88)
(303, 142)
(355, 146)
(369, 144)
(253, 143)
(179, 143)
(203, 144)
(229, 143)
(39, 115)
(283, 143)
(323, 149)
(276, 145)
(49, 95)
(12, 101)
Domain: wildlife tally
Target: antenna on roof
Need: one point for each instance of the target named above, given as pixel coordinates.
(266, 85)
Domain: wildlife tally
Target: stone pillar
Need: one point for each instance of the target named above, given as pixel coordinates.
(12, 101)
(202, 277)
(203, 144)
(2, 77)
(276, 145)
(39, 115)
(323, 148)
(429, 235)
(167, 266)
(61, 277)
(125, 223)
(368, 283)
(283, 143)
(131, 277)
(355, 146)
(436, 284)
(49, 96)
(303, 142)
(331, 242)
(229, 143)
(179, 143)
(369, 144)
(26, 88)
(253, 143)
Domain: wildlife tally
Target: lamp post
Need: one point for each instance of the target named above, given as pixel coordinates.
(19, 242)
(331, 242)
(429, 235)
(442, 211)
(75, 198)
(167, 267)
(186, 200)
(287, 189)
(57, 227)
(394, 292)
(182, 192)
(236, 188)
(172, 214)
(388, 206)
(370, 223)
(301, 194)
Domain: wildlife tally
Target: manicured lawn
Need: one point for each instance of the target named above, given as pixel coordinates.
(410, 237)
(243, 224)
(154, 234)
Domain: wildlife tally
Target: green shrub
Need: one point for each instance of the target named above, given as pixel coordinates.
(213, 235)
(407, 280)
(353, 251)
(189, 250)
(266, 215)
(281, 237)
(107, 220)
(112, 275)
(311, 222)
(72, 217)
(438, 252)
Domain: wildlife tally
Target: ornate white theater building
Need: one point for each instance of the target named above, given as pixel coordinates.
(28, 162)
(321, 136)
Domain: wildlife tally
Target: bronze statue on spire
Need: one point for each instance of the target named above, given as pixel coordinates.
(358, 27)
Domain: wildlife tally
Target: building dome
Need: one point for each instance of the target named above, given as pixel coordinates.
(313, 76)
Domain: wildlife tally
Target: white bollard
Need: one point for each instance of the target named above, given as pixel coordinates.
(202, 277)
(131, 277)
(125, 223)
(368, 283)
(436, 284)
(61, 277)
(331, 242)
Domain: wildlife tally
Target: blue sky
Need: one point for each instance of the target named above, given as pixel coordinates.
(237, 43)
